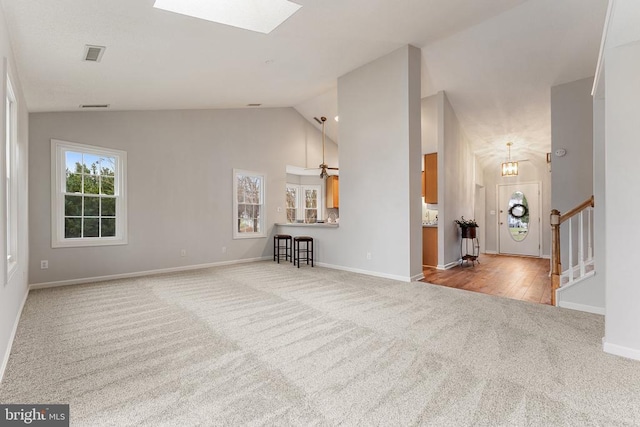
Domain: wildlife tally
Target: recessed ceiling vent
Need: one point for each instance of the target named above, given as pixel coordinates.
(94, 106)
(253, 105)
(93, 53)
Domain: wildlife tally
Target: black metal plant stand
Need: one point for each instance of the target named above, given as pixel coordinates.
(469, 246)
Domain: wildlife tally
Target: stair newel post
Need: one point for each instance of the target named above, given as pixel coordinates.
(555, 254)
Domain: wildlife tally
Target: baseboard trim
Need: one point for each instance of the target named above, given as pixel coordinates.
(618, 350)
(12, 336)
(366, 272)
(417, 277)
(143, 273)
(209, 265)
(582, 307)
(448, 266)
(491, 252)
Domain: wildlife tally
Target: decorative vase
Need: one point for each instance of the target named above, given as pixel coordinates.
(468, 232)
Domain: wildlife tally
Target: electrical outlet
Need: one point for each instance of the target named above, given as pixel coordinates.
(183, 252)
(369, 255)
(44, 264)
(224, 249)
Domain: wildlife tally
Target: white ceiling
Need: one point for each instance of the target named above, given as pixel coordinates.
(496, 59)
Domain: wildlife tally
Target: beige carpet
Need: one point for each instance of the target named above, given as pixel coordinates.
(267, 344)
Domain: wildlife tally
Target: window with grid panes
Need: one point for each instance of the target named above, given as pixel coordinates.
(248, 207)
(304, 203)
(89, 200)
(292, 202)
(11, 182)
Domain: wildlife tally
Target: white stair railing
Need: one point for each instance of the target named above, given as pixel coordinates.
(580, 254)
(582, 265)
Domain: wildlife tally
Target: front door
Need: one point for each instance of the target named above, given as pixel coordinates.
(519, 219)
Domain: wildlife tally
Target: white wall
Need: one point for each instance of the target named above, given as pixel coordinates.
(572, 130)
(456, 186)
(622, 133)
(430, 124)
(480, 208)
(572, 179)
(478, 172)
(590, 294)
(179, 184)
(180, 179)
(380, 148)
(572, 174)
(14, 292)
(480, 214)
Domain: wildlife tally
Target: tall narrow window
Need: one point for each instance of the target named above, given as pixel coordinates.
(292, 202)
(248, 206)
(11, 182)
(311, 202)
(89, 203)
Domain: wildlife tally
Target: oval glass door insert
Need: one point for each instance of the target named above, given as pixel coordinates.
(518, 216)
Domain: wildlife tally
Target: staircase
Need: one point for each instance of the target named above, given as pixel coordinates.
(576, 250)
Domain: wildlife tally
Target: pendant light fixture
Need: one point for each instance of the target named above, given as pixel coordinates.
(509, 168)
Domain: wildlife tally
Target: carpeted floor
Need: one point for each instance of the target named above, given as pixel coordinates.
(267, 344)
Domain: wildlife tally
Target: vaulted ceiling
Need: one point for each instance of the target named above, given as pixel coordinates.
(496, 59)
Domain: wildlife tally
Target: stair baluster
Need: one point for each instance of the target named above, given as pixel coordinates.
(580, 268)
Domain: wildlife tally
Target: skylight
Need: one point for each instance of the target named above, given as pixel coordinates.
(262, 16)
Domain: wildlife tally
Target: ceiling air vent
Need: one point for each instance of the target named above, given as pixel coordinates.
(93, 53)
(94, 106)
(253, 105)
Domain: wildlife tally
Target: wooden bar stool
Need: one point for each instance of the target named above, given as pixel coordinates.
(307, 251)
(277, 245)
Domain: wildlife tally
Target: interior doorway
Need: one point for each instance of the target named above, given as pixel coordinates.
(479, 215)
(519, 219)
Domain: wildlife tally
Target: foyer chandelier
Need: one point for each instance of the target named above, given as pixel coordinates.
(509, 168)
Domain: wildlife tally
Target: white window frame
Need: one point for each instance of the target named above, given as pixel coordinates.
(58, 188)
(300, 200)
(10, 158)
(263, 204)
(297, 201)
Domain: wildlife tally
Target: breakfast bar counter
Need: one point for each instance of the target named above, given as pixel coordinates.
(303, 224)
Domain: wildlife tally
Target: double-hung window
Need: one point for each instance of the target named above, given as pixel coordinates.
(89, 195)
(11, 182)
(293, 201)
(304, 203)
(248, 204)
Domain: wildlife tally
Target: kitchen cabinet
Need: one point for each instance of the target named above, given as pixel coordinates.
(430, 246)
(431, 178)
(333, 192)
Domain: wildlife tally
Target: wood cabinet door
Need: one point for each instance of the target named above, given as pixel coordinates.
(430, 246)
(333, 192)
(431, 178)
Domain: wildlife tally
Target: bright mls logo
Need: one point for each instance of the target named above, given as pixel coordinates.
(34, 415)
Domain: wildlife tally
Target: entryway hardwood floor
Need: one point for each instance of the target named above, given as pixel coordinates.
(513, 277)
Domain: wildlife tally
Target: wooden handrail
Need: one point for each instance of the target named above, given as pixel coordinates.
(582, 206)
(556, 220)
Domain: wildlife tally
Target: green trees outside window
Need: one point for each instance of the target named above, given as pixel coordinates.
(89, 201)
